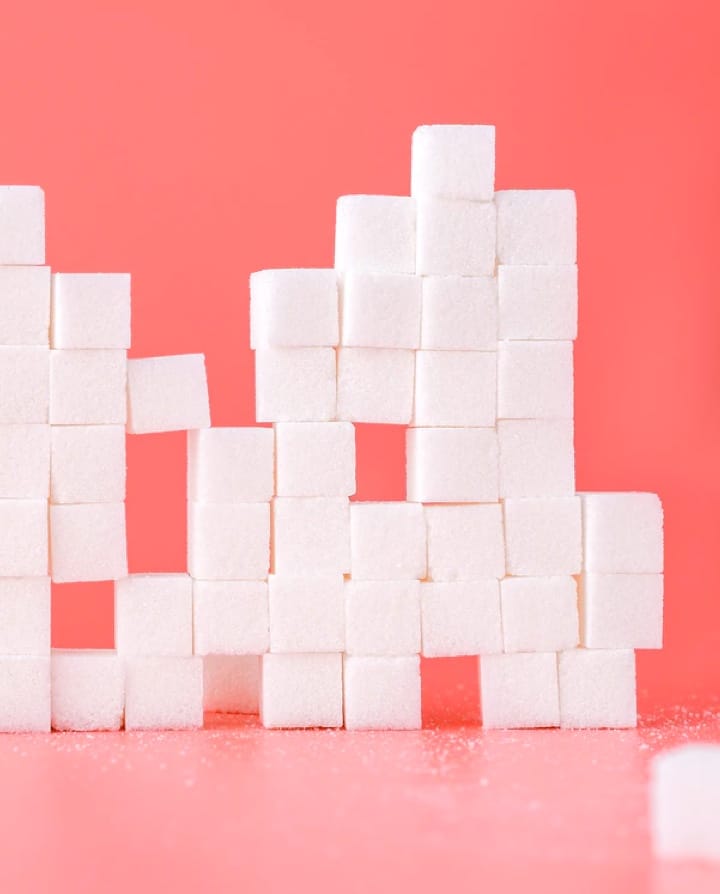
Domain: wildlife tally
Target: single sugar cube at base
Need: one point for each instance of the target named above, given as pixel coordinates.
(455, 388)
(164, 692)
(311, 535)
(382, 692)
(231, 683)
(87, 464)
(22, 225)
(307, 614)
(88, 542)
(24, 461)
(228, 541)
(519, 691)
(452, 465)
(537, 302)
(543, 536)
(90, 310)
(230, 617)
(24, 694)
(537, 457)
(461, 618)
(301, 691)
(88, 690)
(621, 611)
(623, 533)
(453, 161)
(382, 617)
(24, 541)
(597, 688)
(381, 310)
(315, 459)
(153, 615)
(24, 305)
(25, 374)
(536, 226)
(230, 465)
(455, 237)
(293, 308)
(539, 614)
(295, 385)
(167, 394)
(465, 542)
(88, 387)
(535, 380)
(459, 313)
(376, 385)
(25, 616)
(388, 541)
(375, 234)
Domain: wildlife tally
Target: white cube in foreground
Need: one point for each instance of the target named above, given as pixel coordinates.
(88, 690)
(301, 691)
(167, 394)
(382, 692)
(164, 693)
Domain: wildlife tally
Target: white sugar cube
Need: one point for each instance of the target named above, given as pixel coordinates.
(87, 464)
(167, 394)
(461, 618)
(465, 542)
(535, 380)
(230, 617)
(24, 694)
(376, 385)
(539, 614)
(536, 226)
(621, 611)
(454, 161)
(88, 542)
(25, 377)
(230, 465)
(24, 461)
(382, 692)
(24, 541)
(315, 459)
(543, 536)
(22, 225)
(295, 384)
(381, 310)
(154, 615)
(455, 388)
(459, 313)
(536, 302)
(307, 614)
(388, 541)
(623, 533)
(311, 535)
(293, 308)
(375, 234)
(231, 683)
(382, 617)
(229, 541)
(90, 310)
(537, 457)
(455, 237)
(164, 692)
(519, 691)
(452, 465)
(24, 305)
(88, 387)
(25, 616)
(597, 688)
(88, 690)
(300, 691)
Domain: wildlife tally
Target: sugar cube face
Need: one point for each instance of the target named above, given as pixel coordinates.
(293, 308)
(597, 688)
(24, 461)
(88, 542)
(388, 541)
(315, 459)
(230, 465)
(536, 226)
(621, 611)
(24, 305)
(164, 692)
(381, 310)
(535, 380)
(300, 691)
(684, 798)
(465, 542)
(24, 542)
(25, 616)
(453, 161)
(539, 614)
(88, 690)
(375, 234)
(87, 464)
(311, 535)
(24, 694)
(382, 617)
(229, 541)
(623, 533)
(230, 617)
(461, 618)
(537, 457)
(543, 536)
(376, 385)
(295, 385)
(22, 225)
(231, 683)
(455, 237)
(307, 614)
(382, 692)
(538, 302)
(90, 310)
(519, 691)
(154, 615)
(167, 394)
(452, 465)
(88, 387)
(455, 388)
(25, 374)
(459, 313)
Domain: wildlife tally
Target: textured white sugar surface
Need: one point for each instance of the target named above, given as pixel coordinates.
(455, 388)
(461, 618)
(229, 541)
(25, 616)
(88, 387)
(24, 461)
(164, 692)
(315, 459)
(295, 385)
(293, 308)
(230, 617)
(536, 226)
(230, 465)
(685, 802)
(24, 305)
(622, 611)
(459, 313)
(465, 542)
(25, 374)
(375, 234)
(231, 683)
(153, 615)
(167, 394)
(88, 464)
(381, 310)
(90, 310)
(382, 617)
(88, 542)
(519, 690)
(311, 535)
(543, 536)
(388, 541)
(537, 457)
(535, 380)
(22, 225)
(452, 465)
(455, 237)
(382, 692)
(88, 690)
(300, 691)
(24, 541)
(307, 614)
(539, 614)
(623, 532)
(24, 694)
(376, 385)
(453, 161)
(597, 688)
(537, 302)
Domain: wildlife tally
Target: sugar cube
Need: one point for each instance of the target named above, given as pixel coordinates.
(87, 464)
(167, 394)
(538, 302)
(455, 237)
(459, 313)
(229, 541)
(388, 541)
(24, 305)
(382, 692)
(623, 533)
(88, 387)
(311, 535)
(381, 310)
(164, 692)
(230, 617)
(25, 374)
(465, 542)
(307, 614)
(24, 541)
(24, 694)
(621, 611)
(88, 542)
(535, 380)
(382, 617)
(539, 614)
(293, 308)
(461, 618)
(375, 234)
(519, 691)
(90, 310)
(295, 384)
(537, 457)
(455, 388)
(597, 688)
(452, 465)
(536, 226)
(230, 465)
(454, 161)
(301, 690)
(22, 225)
(88, 690)
(154, 615)
(376, 385)
(24, 461)
(315, 459)
(543, 536)
(231, 683)
(25, 616)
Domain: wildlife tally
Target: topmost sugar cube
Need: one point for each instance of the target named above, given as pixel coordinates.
(293, 308)
(375, 234)
(22, 225)
(453, 161)
(536, 226)
(90, 310)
